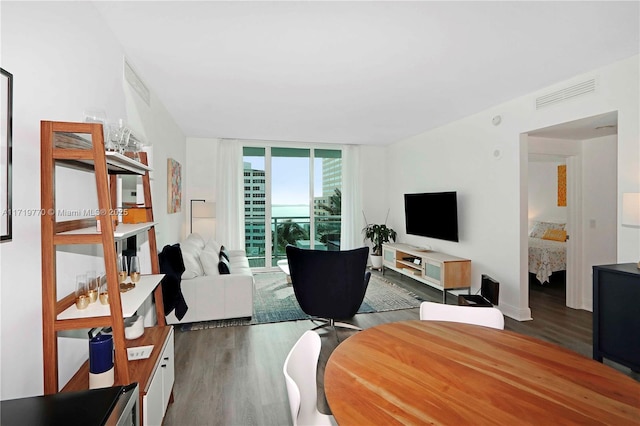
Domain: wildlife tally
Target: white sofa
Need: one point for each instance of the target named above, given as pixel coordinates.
(209, 294)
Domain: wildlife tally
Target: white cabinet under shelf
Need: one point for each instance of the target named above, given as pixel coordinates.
(158, 393)
(439, 270)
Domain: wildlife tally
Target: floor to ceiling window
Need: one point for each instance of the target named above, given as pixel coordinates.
(291, 196)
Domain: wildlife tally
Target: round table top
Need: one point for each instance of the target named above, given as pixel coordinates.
(417, 372)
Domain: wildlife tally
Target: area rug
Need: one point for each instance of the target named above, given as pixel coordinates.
(274, 301)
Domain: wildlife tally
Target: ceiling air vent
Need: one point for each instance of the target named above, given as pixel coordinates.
(566, 93)
(136, 82)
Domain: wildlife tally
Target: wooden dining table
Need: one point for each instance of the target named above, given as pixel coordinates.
(433, 372)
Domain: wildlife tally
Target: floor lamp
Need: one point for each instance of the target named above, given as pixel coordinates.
(204, 210)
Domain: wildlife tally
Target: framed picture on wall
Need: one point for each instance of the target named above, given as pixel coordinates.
(174, 186)
(6, 105)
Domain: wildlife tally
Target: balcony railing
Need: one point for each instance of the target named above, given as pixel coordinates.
(285, 230)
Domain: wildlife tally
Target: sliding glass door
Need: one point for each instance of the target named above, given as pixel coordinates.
(291, 196)
(327, 198)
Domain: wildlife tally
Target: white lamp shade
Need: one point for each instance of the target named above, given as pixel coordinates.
(204, 209)
(631, 208)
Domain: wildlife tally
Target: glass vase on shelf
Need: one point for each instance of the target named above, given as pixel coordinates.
(98, 116)
(82, 292)
(92, 286)
(104, 292)
(123, 271)
(134, 147)
(134, 269)
(125, 135)
(112, 140)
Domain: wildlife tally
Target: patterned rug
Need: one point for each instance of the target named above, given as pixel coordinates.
(274, 301)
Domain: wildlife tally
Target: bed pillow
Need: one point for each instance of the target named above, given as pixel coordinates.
(555, 235)
(539, 228)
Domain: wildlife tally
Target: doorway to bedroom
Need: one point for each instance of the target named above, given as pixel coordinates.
(585, 153)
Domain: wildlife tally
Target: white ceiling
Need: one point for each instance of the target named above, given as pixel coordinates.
(358, 72)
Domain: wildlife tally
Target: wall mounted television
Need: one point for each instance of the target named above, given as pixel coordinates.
(432, 214)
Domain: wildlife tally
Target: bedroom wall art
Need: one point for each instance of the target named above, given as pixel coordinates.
(174, 186)
(562, 185)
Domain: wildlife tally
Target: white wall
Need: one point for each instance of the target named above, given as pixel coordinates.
(167, 141)
(64, 60)
(543, 193)
(492, 189)
(599, 208)
(375, 204)
(201, 176)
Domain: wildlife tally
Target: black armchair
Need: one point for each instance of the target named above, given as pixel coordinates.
(329, 285)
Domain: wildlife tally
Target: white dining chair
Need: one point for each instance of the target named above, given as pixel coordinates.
(300, 369)
(488, 317)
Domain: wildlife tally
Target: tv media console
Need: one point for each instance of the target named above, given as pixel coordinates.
(439, 270)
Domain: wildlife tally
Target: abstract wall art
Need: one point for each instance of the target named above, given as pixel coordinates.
(174, 186)
(562, 186)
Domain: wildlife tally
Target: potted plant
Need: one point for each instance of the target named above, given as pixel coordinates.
(378, 235)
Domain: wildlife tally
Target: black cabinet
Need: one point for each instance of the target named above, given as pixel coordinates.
(616, 314)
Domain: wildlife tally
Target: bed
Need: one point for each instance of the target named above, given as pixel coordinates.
(547, 250)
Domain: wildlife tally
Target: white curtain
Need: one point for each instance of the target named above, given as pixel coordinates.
(230, 195)
(352, 222)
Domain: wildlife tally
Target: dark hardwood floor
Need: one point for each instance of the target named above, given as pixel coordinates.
(233, 375)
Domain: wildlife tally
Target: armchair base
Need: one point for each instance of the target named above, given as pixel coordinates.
(328, 322)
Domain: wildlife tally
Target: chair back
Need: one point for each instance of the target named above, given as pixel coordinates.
(488, 317)
(300, 369)
(329, 284)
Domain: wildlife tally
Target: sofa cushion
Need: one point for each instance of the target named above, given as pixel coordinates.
(209, 259)
(223, 266)
(191, 249)
(213, 245)
(238, 262)
(196, 239)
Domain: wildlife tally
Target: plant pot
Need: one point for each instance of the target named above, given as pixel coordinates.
(376, 261)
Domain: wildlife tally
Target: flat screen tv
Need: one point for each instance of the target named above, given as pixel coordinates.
(432, 214)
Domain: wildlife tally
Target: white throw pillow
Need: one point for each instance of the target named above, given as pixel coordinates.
(209, 258)
(196, 239)
(191, 256)
(213, 245)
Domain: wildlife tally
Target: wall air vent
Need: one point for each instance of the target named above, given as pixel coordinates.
(136, 82)
(566, 93)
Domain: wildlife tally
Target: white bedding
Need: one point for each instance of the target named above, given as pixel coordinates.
(546, 257)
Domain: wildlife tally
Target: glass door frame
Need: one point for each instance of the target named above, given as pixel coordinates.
(268, 218)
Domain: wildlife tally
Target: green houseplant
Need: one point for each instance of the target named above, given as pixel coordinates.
(378, 235)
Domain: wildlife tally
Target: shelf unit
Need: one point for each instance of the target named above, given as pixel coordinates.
(81, 146)
(439, 270)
